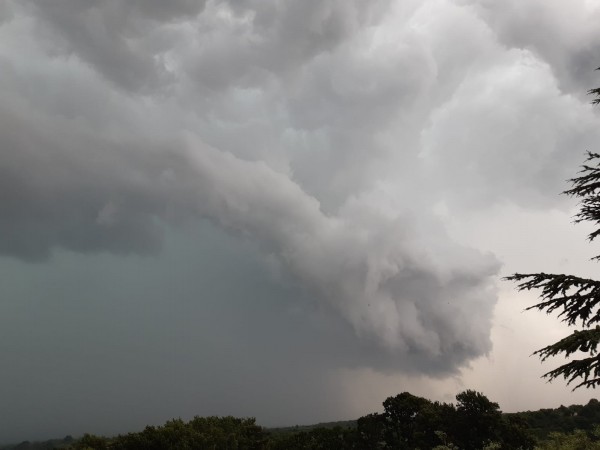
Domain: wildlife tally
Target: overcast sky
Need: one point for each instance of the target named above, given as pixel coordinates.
(283, 209)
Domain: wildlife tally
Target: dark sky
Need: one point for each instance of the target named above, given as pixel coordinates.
(281, 209)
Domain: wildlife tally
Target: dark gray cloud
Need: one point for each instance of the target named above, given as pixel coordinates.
(105, 343)
(152, 339)
(333, 138)
(116, 38)
(94, 183)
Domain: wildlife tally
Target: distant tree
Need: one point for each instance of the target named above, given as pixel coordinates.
(479, 423)
(210, 433)
(563, 419)
(411, 422)
(577, 440)
(371, 431)
(477, 420)
(23, 445)
(319, 438)
(408, 422)
(90, 441)
(575, 299)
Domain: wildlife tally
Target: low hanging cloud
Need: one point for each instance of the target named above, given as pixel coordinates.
(326, 132)
(396, 281)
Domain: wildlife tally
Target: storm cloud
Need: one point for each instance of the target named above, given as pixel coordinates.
(334, 138)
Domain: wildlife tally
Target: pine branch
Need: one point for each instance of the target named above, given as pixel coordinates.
(587, 187)
(576, 299)
(579, 341)
(595, 92)
(587, 368)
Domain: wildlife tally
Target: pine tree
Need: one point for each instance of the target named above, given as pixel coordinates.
(575, 299)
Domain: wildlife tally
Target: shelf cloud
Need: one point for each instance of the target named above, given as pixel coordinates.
(335, 137)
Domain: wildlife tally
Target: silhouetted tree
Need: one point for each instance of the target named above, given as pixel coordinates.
(411, 422)
(90, 441)
(371, 431)
(477, 420)
(575, 299)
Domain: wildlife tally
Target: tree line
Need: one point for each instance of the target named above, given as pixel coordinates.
(473, 422)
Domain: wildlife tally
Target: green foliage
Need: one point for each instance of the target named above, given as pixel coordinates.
(407, 422)
(343, 424)
(49, 444)
(564, 419)
(478, 420)
(210, 433)
(447, 445)
(90, 442)
(200, 433)
(318, 438)
(410, 422)
(371, 431)
(577, 440)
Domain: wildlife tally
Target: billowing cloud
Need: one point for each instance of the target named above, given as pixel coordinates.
(564, 36)
(507, 133)
(88, 183)
(336, 137)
